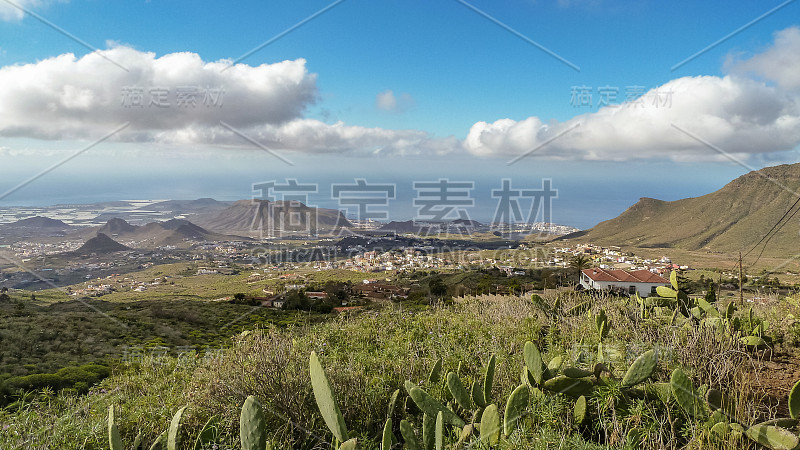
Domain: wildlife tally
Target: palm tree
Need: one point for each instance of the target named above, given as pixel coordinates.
(578, 263)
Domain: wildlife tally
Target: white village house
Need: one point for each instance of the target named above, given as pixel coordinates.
(642, 282)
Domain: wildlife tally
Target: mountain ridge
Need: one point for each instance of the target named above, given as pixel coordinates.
(733, 218)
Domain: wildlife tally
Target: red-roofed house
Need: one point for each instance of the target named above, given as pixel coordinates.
(642, 282)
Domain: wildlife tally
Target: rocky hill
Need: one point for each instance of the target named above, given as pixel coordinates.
(731, 219)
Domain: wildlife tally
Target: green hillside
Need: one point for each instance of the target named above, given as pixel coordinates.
(731, 219)
(370, 355)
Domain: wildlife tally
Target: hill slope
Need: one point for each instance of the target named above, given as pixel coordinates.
(101, 244)
(250, 216)
(176, 232)
(731, 219)
(39, 222)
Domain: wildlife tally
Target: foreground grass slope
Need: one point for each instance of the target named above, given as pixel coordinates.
(371, 354)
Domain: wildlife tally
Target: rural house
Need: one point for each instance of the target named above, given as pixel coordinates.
(642, 282)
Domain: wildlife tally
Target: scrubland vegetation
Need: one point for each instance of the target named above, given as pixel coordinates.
(579, 393)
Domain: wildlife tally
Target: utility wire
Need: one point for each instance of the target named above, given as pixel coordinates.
(773, 227)
(773, 235)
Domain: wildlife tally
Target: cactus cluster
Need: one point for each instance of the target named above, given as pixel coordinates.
(557, 310)
(253, 431)
(167, 440)
(718, 412)
(689, 312)
(467, 412)
(476, 417)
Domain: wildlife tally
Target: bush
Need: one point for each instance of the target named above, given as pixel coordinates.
(79, 378)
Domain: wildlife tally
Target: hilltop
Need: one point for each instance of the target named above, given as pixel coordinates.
(101, 244)
(731, 219)
(249, 216)
(33, 227)
(39, 222)
(176, 232)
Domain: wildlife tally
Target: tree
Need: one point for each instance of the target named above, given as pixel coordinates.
(577, 263)
(515, 286)
(297, 300)
(711, 293)
(437, 287)
(324, 306)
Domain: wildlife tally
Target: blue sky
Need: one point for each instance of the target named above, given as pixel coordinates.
(459, 67)
(431, 85)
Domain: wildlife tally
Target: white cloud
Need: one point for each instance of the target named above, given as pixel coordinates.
(67, 97)
(780, 63)
(387, 101)
(739, 115)
(313, 136)
(10, 13)
(735, 114)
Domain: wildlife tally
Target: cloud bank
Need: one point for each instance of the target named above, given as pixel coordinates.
(735, 114)
(755, 108)
(180, 99)
(780, 63)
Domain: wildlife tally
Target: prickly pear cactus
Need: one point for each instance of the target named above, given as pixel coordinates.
(477, 394)
(387, 439)
(601, 323)
(574, 372)
(533, 359)
(515, 408)
(579, 411)
(392, 404)
(436, 372)
(325, 399)
(641, 369)
(458, 391)
(772, 437)
(438, 441)
(352, 444)
(431, 406)
(490, 425)
(407, 431)
(429, 431)
(685, 394)
(252, 427)
(794, 401)
(574, 387)
(753, 341)
(488, 380)
(114, 440)
(555, 364)
(174, 433)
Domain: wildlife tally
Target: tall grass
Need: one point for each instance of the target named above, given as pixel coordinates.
(370, 353)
